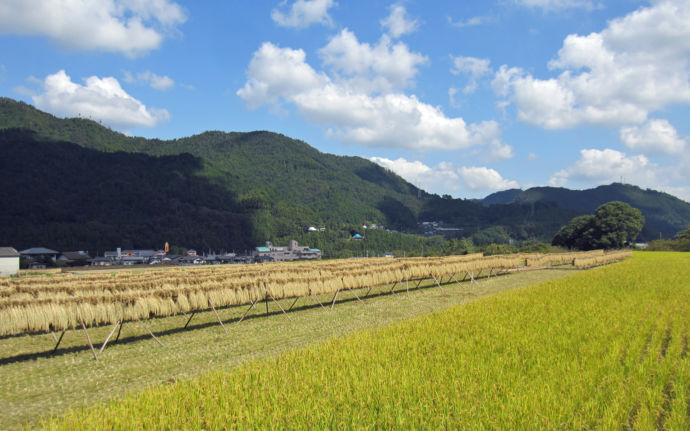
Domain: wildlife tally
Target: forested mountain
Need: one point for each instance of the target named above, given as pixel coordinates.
(665, 214)
(69, 197)
(74, 184)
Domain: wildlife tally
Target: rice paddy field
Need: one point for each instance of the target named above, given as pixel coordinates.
(37, 383)
(605, 348)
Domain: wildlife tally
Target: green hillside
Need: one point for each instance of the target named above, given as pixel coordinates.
(269, 187)
(290, 184)
(665, 214)
(69, 197)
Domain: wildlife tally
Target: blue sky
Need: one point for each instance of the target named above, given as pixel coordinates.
(463, 98)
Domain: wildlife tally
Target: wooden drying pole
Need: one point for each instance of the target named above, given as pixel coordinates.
(218, 317)
(278, 304)
(437, 283)
(112, 331)
(269, 296)
(119, 331)
(95, 356)
(355, 293)
(293, 303)
(189, 320)
(149, 331)
(334, 298)
(58, 340)
(316, 299)
(248, 310)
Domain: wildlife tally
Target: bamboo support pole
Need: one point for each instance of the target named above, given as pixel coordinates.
(281, 308)
(110, 334)
(149, 331)
(316, 300)
(437, 283)
(471, 276)
(394, 284)
(118, 332)
(248, 310)
(189, 320)
(334, 298)
(219, 319)
(58, 341)
(95, 356)
(52, 334)
(293, 303)
(354, 293)
(368, 291)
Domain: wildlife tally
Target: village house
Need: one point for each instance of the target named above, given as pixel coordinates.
(39, 257)
(270, 253)
(74, 258)
(9, 261)
(127, 257)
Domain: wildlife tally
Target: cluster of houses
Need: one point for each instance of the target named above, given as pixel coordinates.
(271, 253)
(41, 257)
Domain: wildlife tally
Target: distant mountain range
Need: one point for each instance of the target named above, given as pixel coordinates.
(665, 214)
(74, 184)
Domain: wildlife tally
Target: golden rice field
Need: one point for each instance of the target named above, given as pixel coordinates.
(605, 348)
(36, 382)
(62, 301)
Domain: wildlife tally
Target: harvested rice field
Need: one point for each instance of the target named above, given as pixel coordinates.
(37, 384)
(605, 348)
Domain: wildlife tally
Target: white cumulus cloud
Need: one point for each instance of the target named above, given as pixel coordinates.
(130, 27)
(157, 82)
(447, 178)
(303, 13)
(397, 22)
(382, 67)
(556, 5)
(474, 67)
(469, 22)
(653, 136)
(483, 179)
(383, 119)
(606, 166)
(441, 178)
(101, 99)
(638, 64)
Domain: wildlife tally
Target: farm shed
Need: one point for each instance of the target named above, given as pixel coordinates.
(9, 261)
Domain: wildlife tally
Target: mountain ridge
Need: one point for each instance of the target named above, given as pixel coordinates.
(279, 186)
(667, 212)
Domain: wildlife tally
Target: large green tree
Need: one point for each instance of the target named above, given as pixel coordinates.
(684, 234)
(613, 225)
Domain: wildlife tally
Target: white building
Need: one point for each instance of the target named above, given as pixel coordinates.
(9, 261)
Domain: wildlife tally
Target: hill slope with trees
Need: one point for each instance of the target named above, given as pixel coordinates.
(665, 214)
(268, 186)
